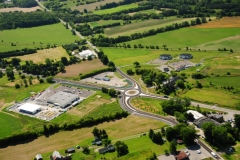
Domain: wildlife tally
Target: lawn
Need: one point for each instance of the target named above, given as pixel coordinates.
(103, 22)
(122, 56)
(141, 26)
(9, 124)
(116, 9)
(183, 38)
(225, 81)
(116, 129)
(105, 109)
(35, 37)
(148, 104)
(41, 55)
(212, 96)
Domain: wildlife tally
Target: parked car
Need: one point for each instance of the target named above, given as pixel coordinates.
(198, 151)
(213, 154)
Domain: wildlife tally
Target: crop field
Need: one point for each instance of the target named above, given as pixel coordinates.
(82, 67)
(92, 6)
(116, 9)
(148, 104)
(213, 96)
(9, 124)
(122, 56)
(175, 40)
(41, 55)
(103, 22)
(149, 11)
(35, 37)
(20, 9)
(225, 81)
(118, 129)
(225, 22)
(141, 26)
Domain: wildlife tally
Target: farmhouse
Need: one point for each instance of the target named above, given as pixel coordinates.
(39, 157)
(63, 99)
(165, 56)
(186, 56)
(97, 141)
(109, 148)
(86, 53)
(29, 108)
(196, 114)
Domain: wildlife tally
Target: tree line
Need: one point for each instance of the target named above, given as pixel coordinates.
(116, 4)
(20, 3)
(13, 20)
(21, 52)
(109, 42)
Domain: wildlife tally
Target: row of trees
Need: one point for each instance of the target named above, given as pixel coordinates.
(21, 3)
(21, 52)
(112, 92)
(14, 20)
(115, 4)
(155, 137)
(108, 42)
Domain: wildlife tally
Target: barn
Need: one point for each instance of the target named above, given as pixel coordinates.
(29, 108)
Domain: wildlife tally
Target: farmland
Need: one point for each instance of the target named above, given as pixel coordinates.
(41, 55)
(20, 9)
(75, 69)
(141, 26)
(225, 81)
(175, 40)
(103, 22)
(117, 129)
(36, 37)
(117, 9)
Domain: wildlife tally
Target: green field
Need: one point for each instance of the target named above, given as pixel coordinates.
(32, 37)
(9, 124)
(122, 56)
(225, 81)
(116, 9)
(141, 26)
(103, 22)
(105, 109)
(186, 37)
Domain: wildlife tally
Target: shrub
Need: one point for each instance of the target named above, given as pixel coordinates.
(17, 86)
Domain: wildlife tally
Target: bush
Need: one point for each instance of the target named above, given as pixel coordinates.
(17, 86)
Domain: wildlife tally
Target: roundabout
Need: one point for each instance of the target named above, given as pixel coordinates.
(131, 92)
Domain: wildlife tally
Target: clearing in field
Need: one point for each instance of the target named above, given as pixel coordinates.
(82, 67)
(141, 26)
(9, 124)
(225, 22)
(36, 37)
(184, 37)
(213, 96)
(20, 9)
(116, 9)
(41, 55)
(92, 6)
(62, 140)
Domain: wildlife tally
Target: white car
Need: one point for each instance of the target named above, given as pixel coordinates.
(198, 151)
(188, 154)
(186, 151)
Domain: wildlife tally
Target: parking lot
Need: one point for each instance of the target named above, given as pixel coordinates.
(98, 79)
(193, 155)
(181, 64)
(50, 111)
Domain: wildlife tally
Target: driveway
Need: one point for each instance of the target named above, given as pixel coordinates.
(193, 153)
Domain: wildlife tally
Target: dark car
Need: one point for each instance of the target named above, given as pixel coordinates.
(165, 96)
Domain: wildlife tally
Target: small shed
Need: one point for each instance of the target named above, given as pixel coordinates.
(39, 157)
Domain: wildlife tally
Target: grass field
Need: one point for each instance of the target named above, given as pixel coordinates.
(82, 67)
(92, 6)
(225, 81)
(141, 26)
(149, 11)
(122, 56)
(213, 96)
(175, 40)
(103, 22)
(148, 104)
(9, 124)
(116, 9)
(32, 37)
(118, 129)
(41, 55)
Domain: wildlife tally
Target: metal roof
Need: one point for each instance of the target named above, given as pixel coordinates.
(30, 107)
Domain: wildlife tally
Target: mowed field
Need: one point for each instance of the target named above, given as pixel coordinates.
(188, 37)
(82, 67)
(41, 55)
(63, 140)
(92, 6)
(116, 9)
(103, 22)
(20, 9)
(141, 26)
(9, 124)
(35, 37)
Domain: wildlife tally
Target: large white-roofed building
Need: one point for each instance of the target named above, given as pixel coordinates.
(86, 53)
(29, 108)
(195, 114)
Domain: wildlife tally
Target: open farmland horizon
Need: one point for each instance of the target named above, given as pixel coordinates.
(35, 37)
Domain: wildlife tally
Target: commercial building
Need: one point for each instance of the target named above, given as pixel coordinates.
(200, 121)
(63, 99)
(186, 56)
(29, 108)
(86, 53)
(196, 114)
(216, 117)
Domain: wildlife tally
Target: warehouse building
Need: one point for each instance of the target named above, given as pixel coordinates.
(63, 99)
(29, 108)
(196, 114)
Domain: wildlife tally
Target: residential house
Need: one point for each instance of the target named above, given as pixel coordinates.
(216, 117)
(181, 155)
(165, 56)
(186, 56)
(109, 148)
